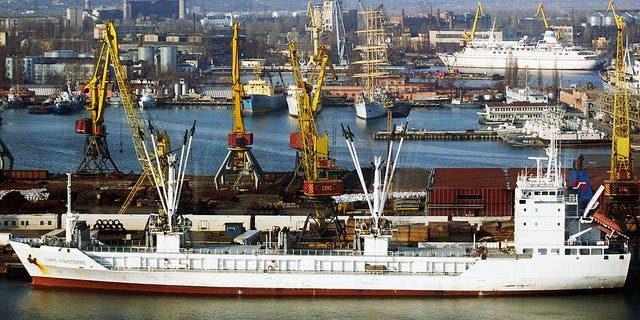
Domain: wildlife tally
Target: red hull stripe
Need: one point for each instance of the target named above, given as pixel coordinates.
(163, 289)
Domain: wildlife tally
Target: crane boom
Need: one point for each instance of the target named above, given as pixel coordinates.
(479, 13)
(544, 16)
(314, 148)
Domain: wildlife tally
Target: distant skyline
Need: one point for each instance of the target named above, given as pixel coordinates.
(456, 5)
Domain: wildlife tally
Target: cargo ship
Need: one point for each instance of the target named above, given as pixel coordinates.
(262, 97)
(557, 247)
(545, 54)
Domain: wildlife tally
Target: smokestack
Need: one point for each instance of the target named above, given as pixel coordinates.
(181, 9)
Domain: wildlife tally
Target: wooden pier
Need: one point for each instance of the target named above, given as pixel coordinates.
(423, 134)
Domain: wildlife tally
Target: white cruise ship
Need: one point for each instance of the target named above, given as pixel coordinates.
(546, 54)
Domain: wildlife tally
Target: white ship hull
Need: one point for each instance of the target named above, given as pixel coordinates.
(487, 60)
(319, 275)
(369, 110)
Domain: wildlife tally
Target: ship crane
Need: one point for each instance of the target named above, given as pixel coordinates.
(622, 190)
(96, 157)
(479, 13)
(240, 169)
(138, 125)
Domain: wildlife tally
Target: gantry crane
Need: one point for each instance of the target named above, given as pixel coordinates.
(479, 13)
(96, 157)
(622, 190)
(240, 169)
(140, 129)
(318, 167)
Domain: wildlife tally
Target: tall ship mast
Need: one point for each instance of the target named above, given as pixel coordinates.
(372, 103)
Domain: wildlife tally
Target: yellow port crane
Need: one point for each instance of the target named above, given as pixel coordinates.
(479, 13)
(539, 12)
(137, 123)
(544, 16)
(314, 149)
(240, 169)
(621, 189)
(315, 28)
(96, 158)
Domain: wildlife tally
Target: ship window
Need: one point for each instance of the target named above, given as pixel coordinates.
(42, 223)
(545, 193)
(523, 201)
(606, 257)
(22, 223)
(568, 252)
(596, 252)
(527, 251)
(584, 252)
(553, 193)
(13, 223)
(49, 222)
(6, 223)
(555, 251)
(542, 251)
(537, 193)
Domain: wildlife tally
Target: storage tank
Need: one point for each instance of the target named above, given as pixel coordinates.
(145, 53)
(168, 58)
(595, 20)
(608, 21)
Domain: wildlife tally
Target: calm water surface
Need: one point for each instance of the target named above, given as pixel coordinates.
(23, 301)
(49, 141)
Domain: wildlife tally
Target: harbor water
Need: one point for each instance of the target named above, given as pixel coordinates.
(27, 302)
(50, 142)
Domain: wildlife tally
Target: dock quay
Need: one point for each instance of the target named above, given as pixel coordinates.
(219, 104)
(423, 134)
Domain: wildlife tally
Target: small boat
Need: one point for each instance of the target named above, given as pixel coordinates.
(147, 100)
(68, 102)
(458, 103)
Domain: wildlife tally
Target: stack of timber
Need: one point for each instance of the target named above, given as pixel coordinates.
(439, 231)
(499, 231)
(461, 231)
(411, 234)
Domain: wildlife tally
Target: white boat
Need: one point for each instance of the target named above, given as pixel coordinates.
(553, 125)
(292, 101)
(147, 100)
(545, 54)
(556, 248)
(632, 67)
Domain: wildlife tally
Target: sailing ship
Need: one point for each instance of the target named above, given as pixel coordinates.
(557, 247)
(373, 102)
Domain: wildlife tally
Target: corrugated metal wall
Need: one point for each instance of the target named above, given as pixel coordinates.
(474, 202)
